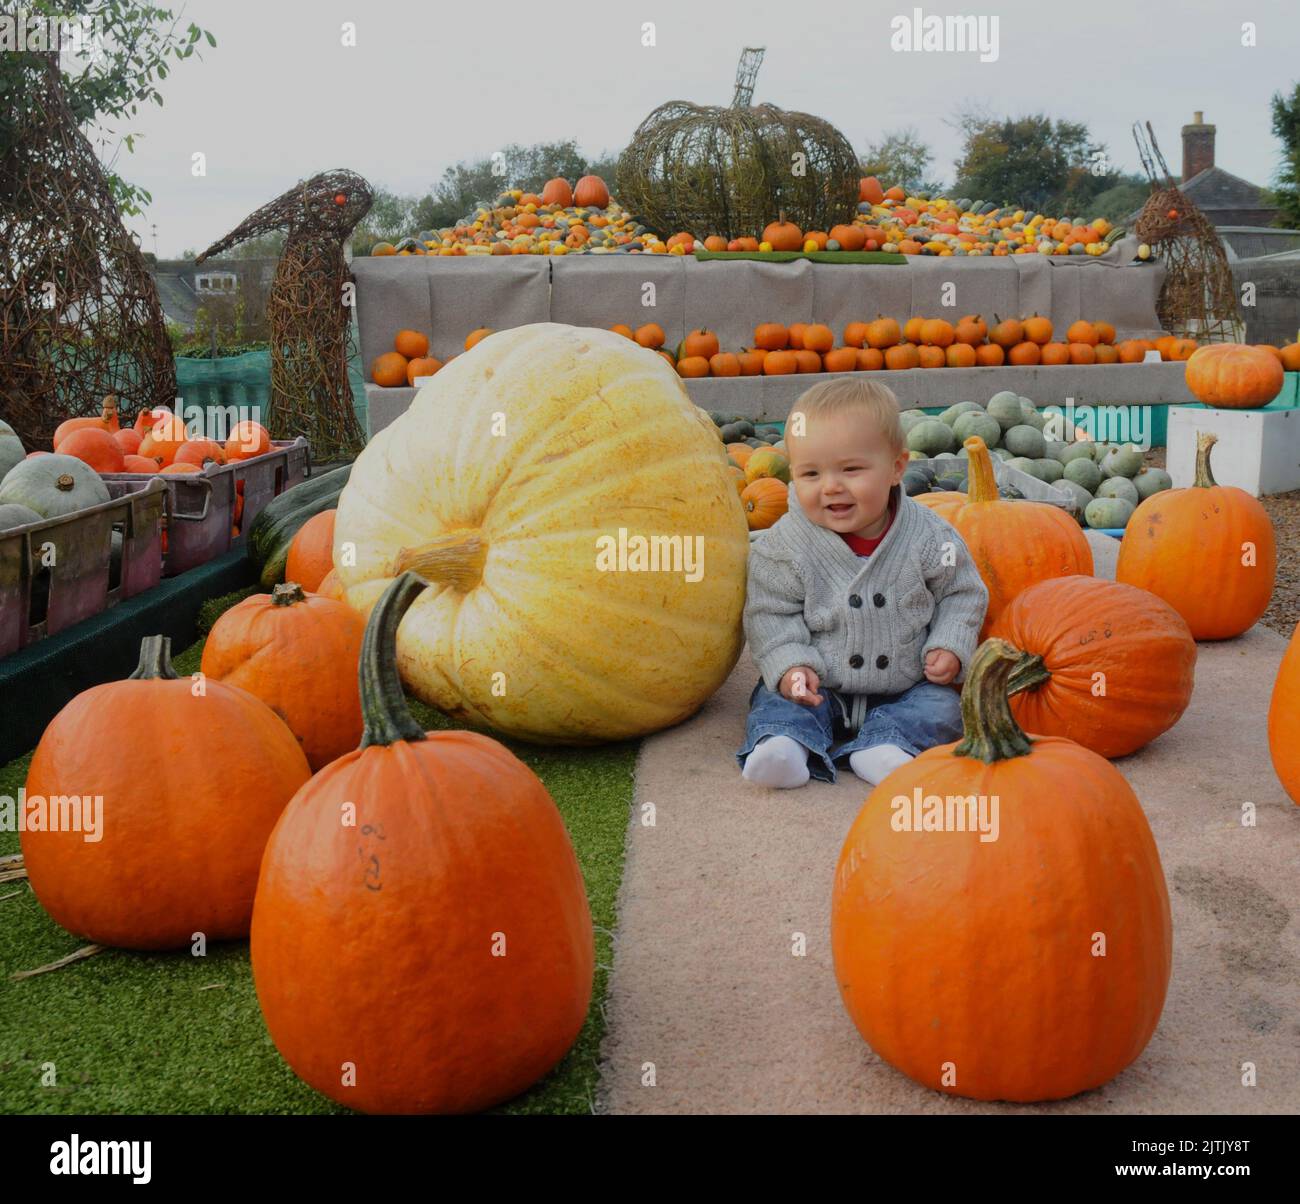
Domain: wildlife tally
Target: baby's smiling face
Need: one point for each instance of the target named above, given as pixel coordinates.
(843, 468)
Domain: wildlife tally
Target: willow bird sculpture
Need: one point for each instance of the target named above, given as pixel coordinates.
(308, 309)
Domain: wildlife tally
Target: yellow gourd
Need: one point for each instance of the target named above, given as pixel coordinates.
(518, 484)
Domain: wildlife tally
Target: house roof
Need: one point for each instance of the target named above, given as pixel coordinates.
(1215, 188)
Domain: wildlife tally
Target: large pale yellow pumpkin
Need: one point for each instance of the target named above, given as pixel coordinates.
(519, 483)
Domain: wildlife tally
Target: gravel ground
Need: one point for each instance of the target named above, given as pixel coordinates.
(1284, 509)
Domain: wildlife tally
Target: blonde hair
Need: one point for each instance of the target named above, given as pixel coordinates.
(875, 403)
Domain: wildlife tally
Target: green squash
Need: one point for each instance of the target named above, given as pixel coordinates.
(1084, 473)
(1076, 451)
(915, 482)
(910, 418)
(11, 449)
(1006, 408)
(1119, 487)
(1109, 512)
(1022, 464)
(1152, 480)
(931, 437)
(1125, 461)
(13, 515)
(1049, 470)
(1078, 495)
(53, 485)
(953, 412)
(1099, 451)
(1025, 441)
(947, 456)
(1055, 448)
(1031, 415)
(976, 422)
(1000, 452)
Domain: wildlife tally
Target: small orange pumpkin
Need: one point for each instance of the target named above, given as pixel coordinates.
(591, 193)
(782, 235)
(766, 500)
(311, 554)
(1234, 377)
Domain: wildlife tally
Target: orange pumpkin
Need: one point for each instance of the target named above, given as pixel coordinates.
(780, 363)
(94, 446)
(331, 587)
(771, 336)
(132, 463)
(1132, 351)
(1290, 356)
(1025, 354)
(796, 335)
(200, 452)
(557, 192)
(129, 440)
(807, 361)
(740, 452)
(591, 193)
(902, 356)
(990, 355)
(181, 843)
(693, 366)
(181, 470)
(850, 238)
(1208, 550)
(931, 357)
(841, 359)
(1106, 353)
(1082, 332)
(311, 553)
(1055, 353)
(247, 439)
(1105, 332)
(699, 342)
(715, 242)
(1233, 376)
(1008, 1008)
(882, 333)
(1182, 349)
(935, 332)
(625, 331)
(1082, 353)
(970, 331)
(341, 956)
(1006, 334)
(145, 420)
(912, 330)
(475, 337)
(751, 362)
(855, 334)
(870, 359)
(782, 235)
(298, 653)
(1106, 664)
(424, 366)
(1014, 543)
(818, 337)
(895, 193)
(166, 438)
(106, 420)
(724, 363)
(651, 335)
(869, 190)
(960, 355)
(1284, 719)
(389, 370)
(411, 344)
(765, 499)
(1038, 330)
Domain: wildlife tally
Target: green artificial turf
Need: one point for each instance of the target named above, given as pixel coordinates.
(145, 1033)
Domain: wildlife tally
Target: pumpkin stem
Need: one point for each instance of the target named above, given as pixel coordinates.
(287, 594)
(991, 733)
(981, 484)
(1029, 674)
(383, 705)
(456, 560)
(155, 659)
(1204, 477)
(65, 482)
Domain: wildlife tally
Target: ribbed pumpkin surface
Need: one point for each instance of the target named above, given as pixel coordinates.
(519, 456)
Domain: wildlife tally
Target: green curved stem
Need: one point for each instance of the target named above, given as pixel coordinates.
(155, 659)
(287, 594)
(384, 711)
(1028, 674)
(991, 733)
(1204, 477)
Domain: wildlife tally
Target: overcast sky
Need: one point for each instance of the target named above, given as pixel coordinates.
(427, 84)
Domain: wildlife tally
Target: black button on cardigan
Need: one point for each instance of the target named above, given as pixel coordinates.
(855, 661)
(882, 661)
(879, 599)
(855, 601)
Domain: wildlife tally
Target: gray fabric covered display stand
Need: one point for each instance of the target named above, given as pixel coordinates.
(446, 297)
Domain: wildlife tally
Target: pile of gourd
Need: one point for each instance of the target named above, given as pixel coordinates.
(915, 225)
(1102, 483)
(758, 464)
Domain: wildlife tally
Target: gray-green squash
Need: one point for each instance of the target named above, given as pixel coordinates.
(11, 449)
(53, 485)
(13, 515)
(910, 418)
(1031, 415)
(1119, 487)
(1076, 451)
(1078, 495)
(1108, 512)
(1055, 448)
(1001, 453)
(1083, 472)
(1023, 463)
(978, 423)
(1152, 480)
(1006, 408)
(953, 412)
(932, 437)
(1024, 441)
(1125, 461)
(1049, 470)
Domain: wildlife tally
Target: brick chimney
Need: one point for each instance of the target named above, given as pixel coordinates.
(1198, 147)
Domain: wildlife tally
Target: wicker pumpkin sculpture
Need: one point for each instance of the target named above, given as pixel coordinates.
(517, 483)
(1021, 953)
(728, 170)
(436, 955)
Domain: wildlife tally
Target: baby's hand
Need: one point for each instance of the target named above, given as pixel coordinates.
(941, 666)
(800, 685)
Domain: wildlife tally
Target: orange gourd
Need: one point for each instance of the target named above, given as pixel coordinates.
(766, 500)
(841, 359)
(106, 421)
(855, 334)
(311, 553)
(1208, 550)
(476, 336)
(1290, 356)
(1082, 332)
(1006, 334)
(331, 587)
(181, 470)
(751, 362)
(1106, 353)
(651, 335)
(1055, 353)
(1082, 353)
(1014, 543)
(129, 440)
(870, 359)
(427, 365)
(962, 954)
(298, 653)
(960, 355)
(818, 337)
(1233, 376)
(931, 357)
(1284, 719)
(912, 330)
(740, 452)
(807, 361)
(724, 363)
(782, 235)
(780, 363)
(771, 336)
(869, 190)
(901, 356)
(699, 342)
(935, 332)
(442, 945)
(990, 355)
(883, 333)
(136, 464)
(1038, 330)
(145, 420)
(970, 331)
(1105, 332)
(247, 439)
(591, 193)
(411, 344)
(1106, 664)
(200, 452)
(389, 370)
(181, 841)
(94, 446)
(557, 192)
(1025, 354)
(1132, 351)
(693, 367)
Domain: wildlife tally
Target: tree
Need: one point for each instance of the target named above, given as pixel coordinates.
(901, 158)
(1031, 161)
(120, 73)
(1286, 190)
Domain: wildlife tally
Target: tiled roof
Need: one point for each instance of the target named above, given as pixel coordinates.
(1215, 188)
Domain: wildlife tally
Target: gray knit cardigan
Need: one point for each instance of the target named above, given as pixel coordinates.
(863, 624)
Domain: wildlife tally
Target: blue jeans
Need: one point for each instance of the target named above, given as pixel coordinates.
(921, 717)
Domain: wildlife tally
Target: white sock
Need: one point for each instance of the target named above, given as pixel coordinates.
(777, 761)
(875, 764)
